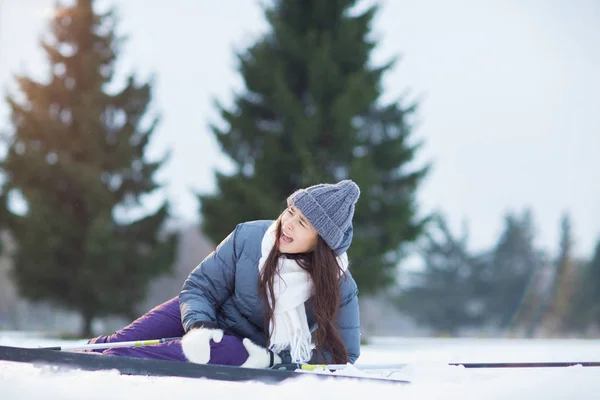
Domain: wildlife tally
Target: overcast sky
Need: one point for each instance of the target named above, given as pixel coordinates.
(509, 94)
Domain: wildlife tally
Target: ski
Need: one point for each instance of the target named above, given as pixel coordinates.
(538, 364)
(146, 367)
(482, 365)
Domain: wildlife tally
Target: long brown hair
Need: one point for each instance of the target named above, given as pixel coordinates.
(325, 273)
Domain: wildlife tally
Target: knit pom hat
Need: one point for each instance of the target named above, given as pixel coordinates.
(329, 208)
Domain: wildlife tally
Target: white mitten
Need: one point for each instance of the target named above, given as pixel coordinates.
(258, 357)
(196, 344)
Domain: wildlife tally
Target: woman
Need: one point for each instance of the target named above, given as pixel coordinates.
(287, 277)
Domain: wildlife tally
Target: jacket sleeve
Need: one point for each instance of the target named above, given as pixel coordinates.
(209, 285)
(348, 324)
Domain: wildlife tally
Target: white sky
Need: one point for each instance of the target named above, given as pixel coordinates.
(509, 95)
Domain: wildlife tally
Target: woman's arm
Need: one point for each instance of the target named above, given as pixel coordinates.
(209, 285)
(348, 323)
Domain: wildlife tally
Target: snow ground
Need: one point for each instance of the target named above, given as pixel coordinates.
(427, 368)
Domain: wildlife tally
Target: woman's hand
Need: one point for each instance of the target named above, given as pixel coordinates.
(196, 344)
(259, 357)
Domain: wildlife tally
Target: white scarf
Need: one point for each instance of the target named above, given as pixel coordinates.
(292, 287)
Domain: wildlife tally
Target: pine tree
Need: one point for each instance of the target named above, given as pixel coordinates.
(512, 300)
(565, 281)
(76, 157)
(591, 288)
(446, 294)
(311, 113)
(584, 300)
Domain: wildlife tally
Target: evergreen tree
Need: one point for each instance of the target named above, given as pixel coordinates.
(311, 113)
(584, 301)
(76, 157)
(446, 294)
(560, 301)
(591, 289)
(514, 299)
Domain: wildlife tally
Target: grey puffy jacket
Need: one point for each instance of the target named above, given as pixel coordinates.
(222, 292)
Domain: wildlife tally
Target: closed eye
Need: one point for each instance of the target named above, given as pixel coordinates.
(291, 211)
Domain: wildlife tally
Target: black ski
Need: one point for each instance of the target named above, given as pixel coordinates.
(540, 364)
(138, 366)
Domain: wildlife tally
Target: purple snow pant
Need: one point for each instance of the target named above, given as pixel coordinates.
(164, 321)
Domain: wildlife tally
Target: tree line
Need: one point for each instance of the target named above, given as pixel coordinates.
(513, 287)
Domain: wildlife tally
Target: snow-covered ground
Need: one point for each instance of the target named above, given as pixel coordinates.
(427, 368)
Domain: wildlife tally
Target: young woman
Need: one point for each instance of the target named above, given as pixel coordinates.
(267, 290)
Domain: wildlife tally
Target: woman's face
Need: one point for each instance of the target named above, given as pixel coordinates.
(297, 234)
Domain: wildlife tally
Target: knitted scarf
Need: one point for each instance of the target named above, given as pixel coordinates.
(292, 287)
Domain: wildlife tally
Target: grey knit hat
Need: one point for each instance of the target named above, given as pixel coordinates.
(329, 208)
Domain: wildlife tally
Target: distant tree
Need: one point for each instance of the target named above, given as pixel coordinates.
(445, 295)
(584, 310)
(513, 299)
(76, 156)
(564, 283)
(311, 113)
(592, 289)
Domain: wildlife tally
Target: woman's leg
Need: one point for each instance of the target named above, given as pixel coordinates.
(164, 321)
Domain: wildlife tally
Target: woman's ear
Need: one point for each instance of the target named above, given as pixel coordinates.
(313, 247)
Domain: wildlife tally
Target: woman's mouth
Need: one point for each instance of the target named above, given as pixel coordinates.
(286, 238)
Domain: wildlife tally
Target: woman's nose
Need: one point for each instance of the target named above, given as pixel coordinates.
(290, 223)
